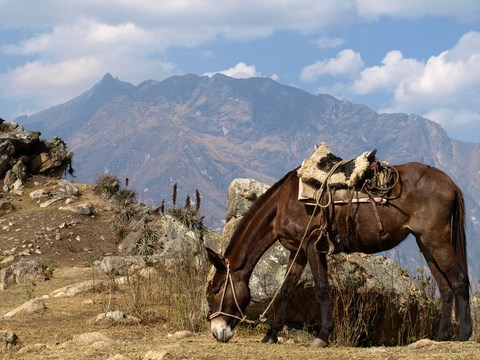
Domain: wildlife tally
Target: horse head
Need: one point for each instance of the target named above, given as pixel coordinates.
(227, 297)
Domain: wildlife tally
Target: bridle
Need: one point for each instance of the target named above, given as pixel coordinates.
(229, 280)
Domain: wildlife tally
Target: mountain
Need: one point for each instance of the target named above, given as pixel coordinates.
(202, 132)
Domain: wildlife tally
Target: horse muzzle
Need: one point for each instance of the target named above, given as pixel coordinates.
(221, 330)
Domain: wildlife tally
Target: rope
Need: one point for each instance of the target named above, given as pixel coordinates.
(319, 194)
(376, 187)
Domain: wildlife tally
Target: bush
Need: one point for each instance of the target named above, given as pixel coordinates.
(107, 185)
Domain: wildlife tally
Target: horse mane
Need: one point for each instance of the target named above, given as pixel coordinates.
(252, 210)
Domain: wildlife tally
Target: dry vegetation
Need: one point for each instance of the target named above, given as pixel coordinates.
(168, 301)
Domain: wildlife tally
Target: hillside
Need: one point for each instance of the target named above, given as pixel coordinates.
(203, 132)
(57, 233)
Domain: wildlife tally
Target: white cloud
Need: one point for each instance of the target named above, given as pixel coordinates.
(85, 37)
(445, 88)
(229, 19)
(347, 62)
(328, 42)
(451, 78)
(465, 10)
(394, 70)
(239, 71)
(69, 58)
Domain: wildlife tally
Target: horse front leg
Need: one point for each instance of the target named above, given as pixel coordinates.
(318, 265)
(296, 264)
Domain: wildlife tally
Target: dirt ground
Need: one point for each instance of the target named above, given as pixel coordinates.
(70, 242)
(81, 238)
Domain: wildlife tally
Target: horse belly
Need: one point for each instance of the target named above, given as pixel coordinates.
(362, 231)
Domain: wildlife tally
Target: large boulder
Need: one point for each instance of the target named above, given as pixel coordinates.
(23, 153)
(374, 301)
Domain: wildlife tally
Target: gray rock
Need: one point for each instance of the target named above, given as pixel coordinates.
(242, 193)
(122, 265)
(78, 288)
(117, 316)
(29, 307)
(8, 340)
(68, 187)
(40, 194)
(128, 244)
(84, 209)
(22, 271)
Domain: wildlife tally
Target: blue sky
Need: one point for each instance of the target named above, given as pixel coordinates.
(412, 56)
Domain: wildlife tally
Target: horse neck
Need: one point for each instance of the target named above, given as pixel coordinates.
(254, 235)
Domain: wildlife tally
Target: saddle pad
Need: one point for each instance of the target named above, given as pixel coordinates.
(306, 194)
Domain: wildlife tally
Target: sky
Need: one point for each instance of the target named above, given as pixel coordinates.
(411, 56)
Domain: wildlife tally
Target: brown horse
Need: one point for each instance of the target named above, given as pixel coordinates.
(425, 202)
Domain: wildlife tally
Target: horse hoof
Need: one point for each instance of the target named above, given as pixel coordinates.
(318, 343)
(269, 340)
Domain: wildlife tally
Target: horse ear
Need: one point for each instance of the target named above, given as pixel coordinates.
(216, 259)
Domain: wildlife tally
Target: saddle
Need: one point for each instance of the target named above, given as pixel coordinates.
(326, 180)
(347, 180)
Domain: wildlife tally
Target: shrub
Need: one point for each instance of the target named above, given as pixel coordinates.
(107, 185)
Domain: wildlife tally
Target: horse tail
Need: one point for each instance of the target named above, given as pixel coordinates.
(458, 238)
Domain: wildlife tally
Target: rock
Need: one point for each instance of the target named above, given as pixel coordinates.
(155, 355)
(35, 306)
(68, 187)
(6, 207)
(94, 340)
(117, 357)
(8, 340)
(33, 348)
(17, 172)
(242, 193)
(17, 185)
(181, 334)
(22, 271)
(50, 202)
(8, 260)
(79, 288)
(122, 265)
(128, 244)
(84, 209)
(55, 161)
(39, 194)
(117, 316)
(29, 155)
(30, 307)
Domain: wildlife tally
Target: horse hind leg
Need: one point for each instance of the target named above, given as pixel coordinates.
(452, 284)
(296, 264)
